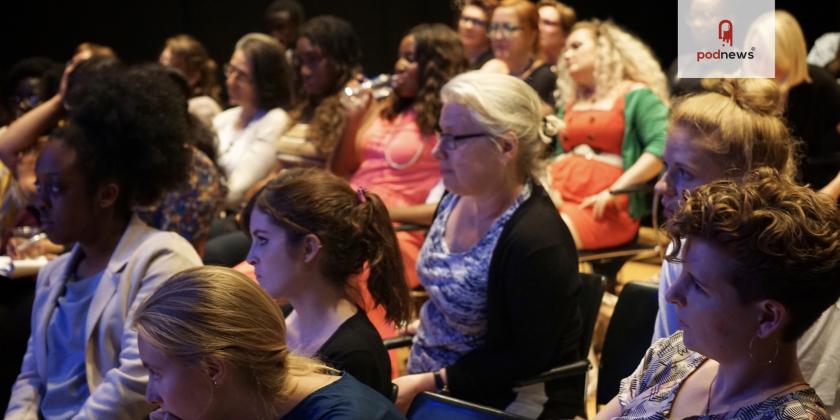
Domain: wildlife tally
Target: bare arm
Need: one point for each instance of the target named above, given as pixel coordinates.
(421, 214)
(609, 411)
(25, 131)
(833, 187)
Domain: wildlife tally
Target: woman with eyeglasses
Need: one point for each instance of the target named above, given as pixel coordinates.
(392, 152)
(498, 263)
(311, 236)
(472, 30)
(514, 36)
(258, 81)
(613, 101)
(556, 21)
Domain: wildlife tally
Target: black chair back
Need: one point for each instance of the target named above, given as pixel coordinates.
(628, 336)
(429, 406)
(592, 286)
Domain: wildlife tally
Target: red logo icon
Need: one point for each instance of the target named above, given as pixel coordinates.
(725, 31)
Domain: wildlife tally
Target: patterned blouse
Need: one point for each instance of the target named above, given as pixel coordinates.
(650, 391)
(189, 210)
(453, 321)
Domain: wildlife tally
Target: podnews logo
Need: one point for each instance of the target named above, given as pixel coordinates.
(725, 34)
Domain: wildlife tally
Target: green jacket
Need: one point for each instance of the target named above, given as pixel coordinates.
(645, 130)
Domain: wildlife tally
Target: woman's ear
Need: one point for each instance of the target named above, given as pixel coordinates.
(772, 318)
(311, 247)
(217, 370)
(107, 194)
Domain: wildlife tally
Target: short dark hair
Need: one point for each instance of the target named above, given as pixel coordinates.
(294, 9)
(784, 239)
(129, 128)
(272, 75)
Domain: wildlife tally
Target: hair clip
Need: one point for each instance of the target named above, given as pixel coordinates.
(360, 192)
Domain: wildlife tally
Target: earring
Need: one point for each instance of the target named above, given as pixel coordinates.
(764, 363)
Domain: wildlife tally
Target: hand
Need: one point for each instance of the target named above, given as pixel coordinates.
(22, 248)
(410, 386)
(599, 203)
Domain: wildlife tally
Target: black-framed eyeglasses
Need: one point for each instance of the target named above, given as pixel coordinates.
(474, 21)
(504, 29)
(238, 74)
(449, 142)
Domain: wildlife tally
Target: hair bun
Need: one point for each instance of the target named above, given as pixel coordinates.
(761, 96)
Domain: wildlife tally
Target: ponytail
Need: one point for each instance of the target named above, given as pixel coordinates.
(386, 281)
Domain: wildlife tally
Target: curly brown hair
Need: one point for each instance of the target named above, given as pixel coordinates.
(325, 112)
(784, 239)
(440, 57)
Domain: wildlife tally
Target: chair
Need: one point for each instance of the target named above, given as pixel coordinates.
(628, 336)
(430, 406)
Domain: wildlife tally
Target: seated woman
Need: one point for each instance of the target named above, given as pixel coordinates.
(392, 152)
(776, 253)
(215, 345)
(498, 263)
(556, 22)
(514, 36)
(259, 82)
(121, 147)
(473, 21)
(327, 58)
(310, 235)
(722, 134)
(189, 56)
(613, 102)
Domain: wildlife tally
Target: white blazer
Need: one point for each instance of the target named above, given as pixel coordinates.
(142, 260)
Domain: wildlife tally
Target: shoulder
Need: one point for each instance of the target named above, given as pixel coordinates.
(355, 336)
(803, 404)
(345, 398)
(226, 118)
(537, 220)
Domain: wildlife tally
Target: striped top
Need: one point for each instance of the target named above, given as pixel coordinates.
(453, 322)
(650, 391)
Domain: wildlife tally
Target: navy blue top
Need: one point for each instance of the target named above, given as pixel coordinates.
(345, 398)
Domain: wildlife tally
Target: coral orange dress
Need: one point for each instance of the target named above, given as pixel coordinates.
(591, 164)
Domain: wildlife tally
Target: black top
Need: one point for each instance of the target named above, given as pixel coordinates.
(813, 111)
(544, 81)
(534, 320)
(347, 399)
(483, 58)
(356, 348)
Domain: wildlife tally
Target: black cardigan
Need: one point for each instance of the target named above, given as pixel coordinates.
(534, 321)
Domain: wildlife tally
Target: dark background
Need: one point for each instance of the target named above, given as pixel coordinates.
(137, 30)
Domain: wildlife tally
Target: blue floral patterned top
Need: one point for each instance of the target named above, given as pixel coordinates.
(453, 321)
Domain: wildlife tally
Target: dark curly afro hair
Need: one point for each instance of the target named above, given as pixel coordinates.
(130, 128)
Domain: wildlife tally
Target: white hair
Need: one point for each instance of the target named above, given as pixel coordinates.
(503, 105)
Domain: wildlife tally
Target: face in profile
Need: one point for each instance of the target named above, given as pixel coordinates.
(579, 55)
(276, 259)
(707, 303)
(406, 69)
(239, 80)
(472, 27)
(469, 165)
(316, 71)
(181, 390)
(66, 206)
(687, 165)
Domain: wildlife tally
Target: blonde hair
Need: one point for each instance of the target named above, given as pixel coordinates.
(739, 120)
(216, 311)
(791, 51)
(620, 56)
(502, 104)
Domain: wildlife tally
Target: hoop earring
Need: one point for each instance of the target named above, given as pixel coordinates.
(764, 363)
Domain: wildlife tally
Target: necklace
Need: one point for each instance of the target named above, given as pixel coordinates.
(388, 142)
(777, 393)
(524, 69)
